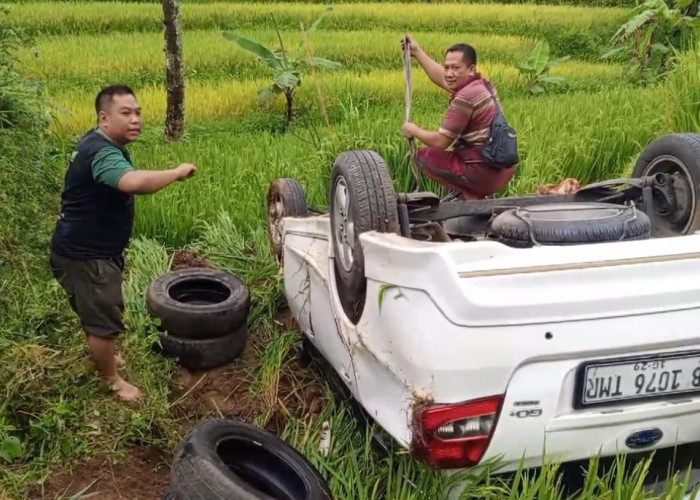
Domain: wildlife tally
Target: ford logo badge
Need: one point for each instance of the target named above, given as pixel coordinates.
(644, 439)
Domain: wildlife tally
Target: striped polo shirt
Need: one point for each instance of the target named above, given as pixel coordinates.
(469, 116)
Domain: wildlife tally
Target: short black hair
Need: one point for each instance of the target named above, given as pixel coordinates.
(104, 97)
(468, 52)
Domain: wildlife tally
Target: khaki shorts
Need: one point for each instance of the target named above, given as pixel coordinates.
(94, 289)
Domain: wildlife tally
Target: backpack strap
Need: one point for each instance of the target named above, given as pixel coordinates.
(495, 99)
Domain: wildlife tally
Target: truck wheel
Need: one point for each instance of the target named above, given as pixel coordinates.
(222, 459)
(362, 198)
(569, 224)
(677, 154)
(198, 303)
(285, 198)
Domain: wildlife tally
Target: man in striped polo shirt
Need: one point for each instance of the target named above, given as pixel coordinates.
(465, 126)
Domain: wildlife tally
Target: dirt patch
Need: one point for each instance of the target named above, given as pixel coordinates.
(145, 474)
(285, 319)
(224, 391)
(188, 258)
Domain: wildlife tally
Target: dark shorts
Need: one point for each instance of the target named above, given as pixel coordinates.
(94, 289)
(474, 178)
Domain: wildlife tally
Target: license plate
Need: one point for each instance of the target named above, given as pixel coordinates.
(639, 378)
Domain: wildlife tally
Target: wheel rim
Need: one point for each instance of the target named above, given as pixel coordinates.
(344, 227)
(275, 214)
(680, 221)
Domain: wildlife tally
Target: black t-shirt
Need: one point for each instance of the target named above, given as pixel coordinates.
(96, 219)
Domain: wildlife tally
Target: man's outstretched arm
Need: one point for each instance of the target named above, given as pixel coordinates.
(150, 181)
(111, 168)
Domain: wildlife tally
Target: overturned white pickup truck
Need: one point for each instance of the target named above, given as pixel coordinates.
(566, 325)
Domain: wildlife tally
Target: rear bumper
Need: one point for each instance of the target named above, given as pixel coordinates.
(560, 432)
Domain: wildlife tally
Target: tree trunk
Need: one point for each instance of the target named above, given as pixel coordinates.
(289, 114)
(175, 70)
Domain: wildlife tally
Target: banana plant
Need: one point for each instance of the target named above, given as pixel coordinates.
(651, 36)
(286, 68)
(535, 69)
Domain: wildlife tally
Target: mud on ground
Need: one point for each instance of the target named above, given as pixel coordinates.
(145, 474)
(188, 258)
(223, 391)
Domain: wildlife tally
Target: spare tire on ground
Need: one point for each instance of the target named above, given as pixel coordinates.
(204, 354)
(226, 459)
(569, 224)
(199, 303)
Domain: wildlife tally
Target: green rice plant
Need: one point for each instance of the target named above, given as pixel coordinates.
(85, 61)
(229, 243)
(569, 28)
(682, 92)
(223, 99)
(265, 384)
(588, 3)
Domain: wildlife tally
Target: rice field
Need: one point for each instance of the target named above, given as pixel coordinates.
(591, 128)
(208, 56)
(552, 21)
(588, 3)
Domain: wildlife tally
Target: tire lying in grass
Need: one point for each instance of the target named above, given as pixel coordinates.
(204, 354)
(362, 198)
(679, 155)
(199, 303)
(285, 198)
(569, 224)
(225, 459)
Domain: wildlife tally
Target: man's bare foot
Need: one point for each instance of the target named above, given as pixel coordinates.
(125, 390)
(119, 361)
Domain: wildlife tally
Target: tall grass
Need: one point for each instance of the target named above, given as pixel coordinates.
(53, 401)
(683, 93)
(82, 60)
(567, 27)
(221, 99)
(588, 136)
(589, 3)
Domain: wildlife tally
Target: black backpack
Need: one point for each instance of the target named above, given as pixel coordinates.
(501, 148)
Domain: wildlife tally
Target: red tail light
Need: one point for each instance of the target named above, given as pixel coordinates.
(455, 435)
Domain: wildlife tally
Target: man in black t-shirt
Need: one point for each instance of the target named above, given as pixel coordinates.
(95, 224)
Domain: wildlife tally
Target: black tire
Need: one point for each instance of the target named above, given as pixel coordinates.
(223, 459)
(197, 354)
(285, 198)
(569, 224)
(674, 153)
(372, 207)
(198, 303)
